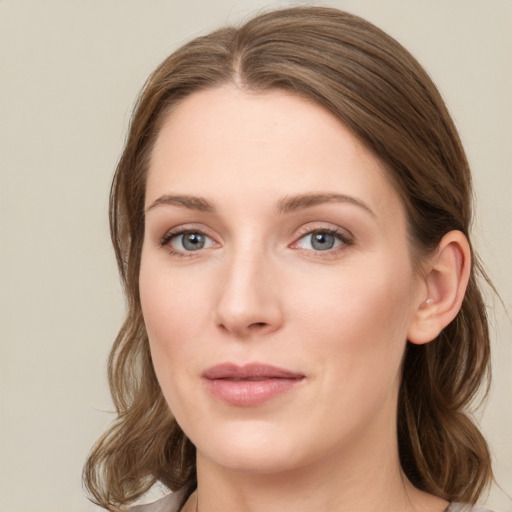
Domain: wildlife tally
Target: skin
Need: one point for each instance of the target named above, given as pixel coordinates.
(260, 291)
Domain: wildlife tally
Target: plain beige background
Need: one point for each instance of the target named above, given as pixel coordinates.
(69, 74)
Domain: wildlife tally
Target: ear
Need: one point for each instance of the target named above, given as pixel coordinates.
(446, 279)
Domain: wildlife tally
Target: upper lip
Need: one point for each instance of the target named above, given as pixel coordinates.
(254, 371)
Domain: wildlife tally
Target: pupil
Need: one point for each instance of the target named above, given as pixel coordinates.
(322, 241)
(193, 241)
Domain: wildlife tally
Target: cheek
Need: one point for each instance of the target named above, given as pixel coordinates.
(171, 315)
(175, 313)
(172, 301)
(357, 321)
(355, 299)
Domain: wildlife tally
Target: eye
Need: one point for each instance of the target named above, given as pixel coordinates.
(186, 241)
(322, 240)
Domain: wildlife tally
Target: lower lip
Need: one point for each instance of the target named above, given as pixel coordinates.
(248, 393)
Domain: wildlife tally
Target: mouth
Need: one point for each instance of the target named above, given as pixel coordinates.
(249, 385)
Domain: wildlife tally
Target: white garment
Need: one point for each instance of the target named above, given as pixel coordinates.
(169, 503)
(461, 507)
(172, 502)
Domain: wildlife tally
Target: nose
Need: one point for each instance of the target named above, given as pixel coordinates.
(249, 296)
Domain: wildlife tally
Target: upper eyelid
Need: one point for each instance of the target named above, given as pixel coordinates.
(186, 228)
(345, 239)
(323, 226)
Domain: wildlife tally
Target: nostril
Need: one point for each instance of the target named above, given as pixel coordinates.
(257, 325)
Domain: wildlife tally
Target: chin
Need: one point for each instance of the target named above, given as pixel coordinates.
(255, 449)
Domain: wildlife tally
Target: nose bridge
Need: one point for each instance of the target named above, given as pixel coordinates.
(248, 298)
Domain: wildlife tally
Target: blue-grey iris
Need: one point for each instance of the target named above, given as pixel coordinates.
(322, 241)
(193, 241)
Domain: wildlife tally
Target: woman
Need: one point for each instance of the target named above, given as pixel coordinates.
(304, 331)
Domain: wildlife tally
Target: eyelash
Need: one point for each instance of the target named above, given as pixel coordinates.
(166, 240)
(346, 241)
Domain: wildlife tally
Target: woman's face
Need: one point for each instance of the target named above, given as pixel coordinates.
(276, 282)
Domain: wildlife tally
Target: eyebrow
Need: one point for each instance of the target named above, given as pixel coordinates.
(189, 202)
(286, 205)
(300, 202)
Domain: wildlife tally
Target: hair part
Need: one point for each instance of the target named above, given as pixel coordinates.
(379, 91)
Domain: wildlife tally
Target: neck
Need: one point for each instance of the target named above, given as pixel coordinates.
(342, 482)
(361, 473)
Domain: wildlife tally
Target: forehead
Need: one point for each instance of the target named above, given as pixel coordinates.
(228, 142)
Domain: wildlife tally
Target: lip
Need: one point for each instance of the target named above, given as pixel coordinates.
(249, 385)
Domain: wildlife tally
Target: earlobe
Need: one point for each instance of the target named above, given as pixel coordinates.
(446, 280)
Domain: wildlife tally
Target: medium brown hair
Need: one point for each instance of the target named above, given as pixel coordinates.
(379, 91)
